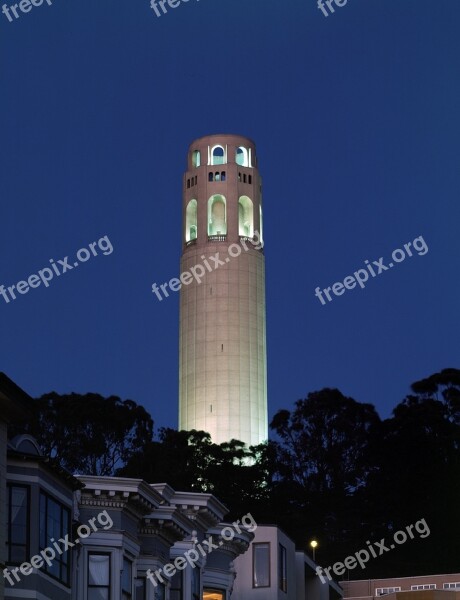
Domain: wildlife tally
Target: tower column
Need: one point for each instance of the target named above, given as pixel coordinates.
(222, 365)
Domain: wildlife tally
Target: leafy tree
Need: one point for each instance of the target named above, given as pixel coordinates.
(325, 456)
(190, 461)
(89, 434)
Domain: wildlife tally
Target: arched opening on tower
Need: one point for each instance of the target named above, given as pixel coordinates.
(191, 222)
(217, 215)
(242, 157)
(245, 217)
(196, 158)
(218, 155)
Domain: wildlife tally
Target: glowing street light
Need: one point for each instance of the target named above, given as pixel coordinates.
(313, 544)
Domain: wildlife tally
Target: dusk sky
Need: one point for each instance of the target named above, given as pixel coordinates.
(356, 121)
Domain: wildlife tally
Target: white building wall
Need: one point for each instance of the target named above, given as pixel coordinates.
(243, 588)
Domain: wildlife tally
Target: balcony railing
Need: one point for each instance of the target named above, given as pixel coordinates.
(190, 242)
(217, 238)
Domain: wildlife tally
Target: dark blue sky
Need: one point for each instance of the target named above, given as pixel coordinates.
(356, 120)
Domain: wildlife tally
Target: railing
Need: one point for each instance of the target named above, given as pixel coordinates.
(190, 242)
(217, 238)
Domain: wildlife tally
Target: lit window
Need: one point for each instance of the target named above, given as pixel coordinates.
(218, 155)
(242, 157)
(191, 224)
(18, 524)
(387, 590)
(126, 580)
(282, 568)
(54, 523)
(217, 215)
(98, 576)
(213, 595)
(217, 177)
(425, 586)
(261, 565)
(196, 158)
(245, 217)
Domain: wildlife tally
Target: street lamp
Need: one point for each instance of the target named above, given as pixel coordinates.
(313, 544)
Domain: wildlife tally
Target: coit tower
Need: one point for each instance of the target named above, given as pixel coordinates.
(223, 364)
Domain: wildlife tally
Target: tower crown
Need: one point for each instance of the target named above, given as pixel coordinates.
(221, 191)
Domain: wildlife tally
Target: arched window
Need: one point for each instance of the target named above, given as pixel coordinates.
(196, 158)
(218, 155)
(223, 176)
(217, 176)
(191, 226)
(188, 183)
(211, 177)
(242, 156)
(217, 215)
(244, 177)
(245, 217)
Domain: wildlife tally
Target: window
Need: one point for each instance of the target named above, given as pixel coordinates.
(242, 157)
(176, 591)
(126, 580)
(249, 178)
(218, 155)
(191, 223)
(188, 183)
(387, 590)
(196, 584)
(244, 177)
(245, 217)
(223, 176)
(54, 523)
(140, 589)
(261, 565)
(451, 586)
(18, 524)
(98, 576)
(217, 215)
(282, 568)
(425, 586)
(217, 177)
(213, 595)
(196, 158)
(159, 593)
(211, 177)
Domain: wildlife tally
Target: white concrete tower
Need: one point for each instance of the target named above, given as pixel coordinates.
(223, 364)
